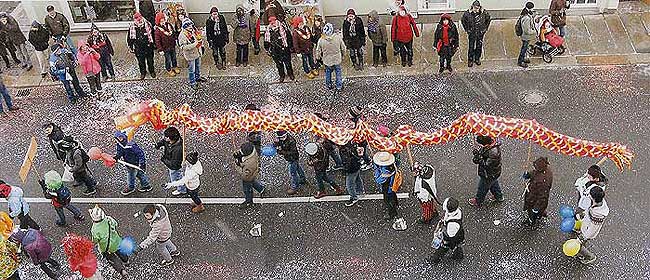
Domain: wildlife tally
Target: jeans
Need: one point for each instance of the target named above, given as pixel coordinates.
(132, 174)
(170, 60)
(94, 82)
(74, 83)
(242, 54)
(328, 76)
(6, 97)
(116, 260)
(523, 51)
(308, 62)
(194, 195)
(175, 175)
(354, 184)
(282, 62)
(107, 65)
(194, 70)
(248, 189)
(166, 248)
(27, 222)
(85, 178)
(485, 185)
(379, 51)
(23, 55)
(145, 62)
(445, 57)
(356, 56)
(256, 44)
(390, 201)
(336, 157)
(475, 48)
(219, 52)
(43, 64)
(297, 174)
(561, 30)
(47, 266)
(59, 212)
(321, 178)
(406, 51)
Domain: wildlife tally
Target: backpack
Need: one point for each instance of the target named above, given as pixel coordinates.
(63, 195)
(84, 156)
(518, 29)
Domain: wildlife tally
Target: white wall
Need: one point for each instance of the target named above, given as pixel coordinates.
(340, 7)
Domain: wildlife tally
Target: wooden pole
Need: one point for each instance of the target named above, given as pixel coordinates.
(410, 155)
(601, 161)
(184, 140)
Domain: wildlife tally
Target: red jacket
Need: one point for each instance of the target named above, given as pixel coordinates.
(402, 29)
(163, 41)
(89, 61)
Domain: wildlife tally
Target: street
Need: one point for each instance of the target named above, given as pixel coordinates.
(326, 240)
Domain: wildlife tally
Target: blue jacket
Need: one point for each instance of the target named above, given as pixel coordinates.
(60, 62)
(129, 151)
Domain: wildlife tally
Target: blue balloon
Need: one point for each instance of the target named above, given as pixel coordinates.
(567, 225)
(269, 150)
(127, 246)
(566, 211)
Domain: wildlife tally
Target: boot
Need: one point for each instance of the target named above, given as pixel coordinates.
(177, 70)
(219, 65)
(171, 73)
(310, 76)
(360, 63)
(198, 209)
(314, 72)
(292, 77)
(339, 191)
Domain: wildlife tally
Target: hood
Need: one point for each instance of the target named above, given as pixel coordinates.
(445, 16)
(198, 167)
(161, 214)
(373, 15)
(120, 134)
(456, 215)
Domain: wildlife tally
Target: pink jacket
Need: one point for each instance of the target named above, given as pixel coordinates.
(89, 61)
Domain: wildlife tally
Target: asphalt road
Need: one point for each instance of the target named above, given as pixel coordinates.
(329, 241)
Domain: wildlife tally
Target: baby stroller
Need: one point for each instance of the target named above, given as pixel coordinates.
(549, 43)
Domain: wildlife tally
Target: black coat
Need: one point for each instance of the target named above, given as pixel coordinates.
(13, 31)
(217, 40)
(276, 45)
(354, 42)
(55, 138)
(350, 158)
(39, 38)
(476, 24)
(320, 161)
(453, 35)
(148, 11)
(489, 161)
(172, 154)
(141, 45)
(5, 44)
(288, 149)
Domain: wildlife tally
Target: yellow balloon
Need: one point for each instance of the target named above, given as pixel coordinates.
(577, 225)
(571, 247)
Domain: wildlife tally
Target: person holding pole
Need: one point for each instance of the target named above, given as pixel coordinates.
(18, 207)
(132, 154)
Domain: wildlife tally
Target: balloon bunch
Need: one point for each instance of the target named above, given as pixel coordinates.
(127, 246)
(81, 257)
(568, 219)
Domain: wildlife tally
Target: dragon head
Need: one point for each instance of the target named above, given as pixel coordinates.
(148, 111)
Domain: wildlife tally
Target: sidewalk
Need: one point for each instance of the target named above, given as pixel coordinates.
(607, 39)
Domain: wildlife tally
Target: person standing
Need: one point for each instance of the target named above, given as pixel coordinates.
(39, 38)
(525, 29)
(140, 41)
(243, 27)
(453, 232)
(148, 11)
(165, 37)
(255, 36)
(277, 42)
(104, 234)
(76, 160)
(161, 233)
(60, 195)
(303, 46)
(558, 15)
(18, 207)
(59, 28)
(426, 191)
(316, 34)
(488, 159)
(540, 181)
(7, 99)
(216, 30)
(592, 222)
(379, 36)
(248, 165)
(354, 37)
(352, 166)
(476, 22)
(319, 160)
(402, 31)
(88, 59)
(16, 36)
(39, 250)
(62, 67)
(101, 43)
(386, 176)
(191, 43)
(287, 147)
(192, 181)
(446, 42)
(330, 50)
(7, 45)
(172, 145)
(132, 154)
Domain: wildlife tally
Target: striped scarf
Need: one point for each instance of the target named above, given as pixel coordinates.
(140, 24)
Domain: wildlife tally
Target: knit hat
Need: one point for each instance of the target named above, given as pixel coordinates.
(328, 29)
(450, 204)
(159, 17)
(383, 159)
(53, 180)
(192, 157)
(187, 22)
(484, 140)
(246, 149)
(530, 5)
(445, 16)
(97, 214)
(214, 10)
(541, 164)
(311, 149)
(296, 21)
(351, 12)
(35, 24)
(476, 4)
(355, 111)
(137, 16)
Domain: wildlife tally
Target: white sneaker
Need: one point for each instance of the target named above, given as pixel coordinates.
(177, 193)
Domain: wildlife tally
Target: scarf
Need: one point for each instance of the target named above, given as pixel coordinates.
(373, 25)
(217, 26)
(304, 33)
(445, 34)
(282, 33)
(242, 22)
(147, 30)
(353, 27)
(167, 28)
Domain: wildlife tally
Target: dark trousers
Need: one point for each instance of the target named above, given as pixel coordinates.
(27, 222)
(390, 201)
(475, 47)
(145, 62)
(194, 195)
(116, 260)
(50, 267)
(95, 83)
(248, 189)
(445, 57)
(379, 51)
(485, 185)
(242, 53)
(85, 178)
(107, 65)
(219, 52)
(321, 178)
(308, 62)
(523, 51)
(256, 45)
(59, 212)
(457, 253)
(73, 86)
(282, 62)
(13, 55)
(356, 56)
(170, 60)
(406, 51)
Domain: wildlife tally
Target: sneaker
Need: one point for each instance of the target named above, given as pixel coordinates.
(291, 191)
(177, 193)
(522, 64)
(320, 195)
(366, 167)
(175, 253)
(80, 218)
(339, 191)
(245, 205)
(90, 192)
(177, 70)
(473, 202)
(499, 199)
(127, 191)
(61, 224)
(147, 189)
(198, 209)
(478, 62)
(587, 261)
(201, 80)
(351, 202)
(165, 263)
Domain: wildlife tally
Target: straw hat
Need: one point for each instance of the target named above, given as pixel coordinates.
(383, 159)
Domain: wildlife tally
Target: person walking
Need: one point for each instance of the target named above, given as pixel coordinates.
(76, 159)
(104, 234)
(378, 34)
(216, 31)
(287, 147)
(132, 154)
(39, 250)
(476, 22)
(7, 46)
(16, 36)
(330, 148)
(488, 159)
(446, 42)
(161, 233)
(354, 37)
(426, 191)
(330, 50)
(356, 114)
(247, 160)
(352, 167)
(386, 177)
(18, 207)
(101, 43)
(140, 41)
(277, 43)
(452, 230)
(540, 181)
(59, 27)
(303, 46)
(592, 178)
(60, 195)
(402, 30)
(190, 41)
(172, 145)
(7, 99)
(243, 28)
(39, 38)
(592, 222)
(62, 67)
(525, 29)
(557, 9)
(319, 160)
(55, 136)
(88, 59)
(165, 37)
(191, 181)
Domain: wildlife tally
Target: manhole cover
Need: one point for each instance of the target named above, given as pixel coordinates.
(533, 98)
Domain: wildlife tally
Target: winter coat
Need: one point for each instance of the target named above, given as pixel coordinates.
(593, 220)
(147, 10)
(537, 192)
(104, 233)
(190, 177)
(34, 244)
(384, 177)
(288, 149)
(558, 12)
(489, 161)
(583, 186)
(403, 28)
(453, 233)
(172, 154)
(57, 25)
(55, 138)
(243, 27)
(354, 42)
(89, 61)
(39, 38)
(61, 63)
(278, 41)
(17, 203)
(380, 36)
(191, 44)
(452, 33)
(320, 161)
(476, 23)
(350, 158)
(316, 33)
(302, 40)
(74, 160)
(165, 37)
(528, 28)
(5, 44)
(129, 151)
(13, 31)
(426, 189)
(161, 227)
(249, 167)
(330, 50)
(140, 44)
(101, 43)
(217, 36)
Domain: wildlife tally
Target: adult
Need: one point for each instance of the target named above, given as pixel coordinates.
(243, 29)
(476, 22)
(540, 181)
(426, 191)
(385, 176)
(488, 159)
(273, 8)
(165, 37)
(277, 42)
(104, 234)
(558, 15)
(303, 46)
(319, 160)
(453, 232)
(7, 47)
(147, 10)
(16, 36)
(190, 41)
(160, 234)
(445, 41)
(140, 41)
(354, 37)
(18, 207)
(330, 50)
(63, 62)
(594, 177)
(216, 31)
(592, 223)
(526, 32)
(402, 31)
(379, 37)
(39, 250)
(39, 38)
(7, 99)
(172, 145)
(287, 148)
(59, 27)
(352, 167)
(132, 154)
(55, 136)
(76, 159)
(248, 166)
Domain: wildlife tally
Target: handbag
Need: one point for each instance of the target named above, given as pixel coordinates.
(67, 175)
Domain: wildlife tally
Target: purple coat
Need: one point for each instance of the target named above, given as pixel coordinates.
(34, 243)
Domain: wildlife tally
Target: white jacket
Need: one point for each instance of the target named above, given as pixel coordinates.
(585, 199)
(593, 220)
(422, 193)
(190, 177)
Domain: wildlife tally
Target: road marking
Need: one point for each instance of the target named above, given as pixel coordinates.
(212, 200)
(473, 88)
(226, 230)
(489, 89)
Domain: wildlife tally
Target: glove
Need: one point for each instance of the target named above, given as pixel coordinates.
(143, 167)
(160, 144)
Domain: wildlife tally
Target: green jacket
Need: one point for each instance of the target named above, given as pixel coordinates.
(101, 232)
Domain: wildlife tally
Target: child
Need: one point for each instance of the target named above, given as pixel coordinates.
(286, 146)
(319, 159)
(387, 178)
(243, 28)
(102, 44)
(39, 250)
(446, 41)
(104, 234)
(161, 233)
(190, 42)
(453, 234)
(592, 222)
(191, 181)
(426, 191)
(18, 207)
(379, 37)
(248, 163)
(132, 154)
(303, 46)
(60, 195)
(165, 37)
(89, 61)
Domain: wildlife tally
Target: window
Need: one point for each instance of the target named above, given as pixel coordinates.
(585, 2)
(432, 5)
(104, 11)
